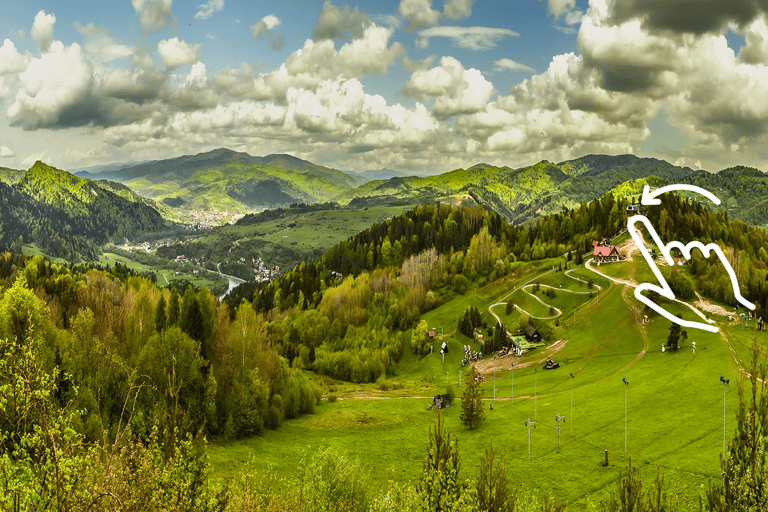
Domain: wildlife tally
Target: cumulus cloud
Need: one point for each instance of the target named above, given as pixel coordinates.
(208, 8)
(559, 7)
(456, 9)
(333, 23)
(417, 65)
(419, 13)
(314, 62)
(755, 49)
(456, 90)
(509, 64)
(11, 61)
(42, 30)
(154, 15)
(690, 16)
(53, 89)
(6, 152)
(98, 42)
(265, 24)
(472, 38)
(177, 53)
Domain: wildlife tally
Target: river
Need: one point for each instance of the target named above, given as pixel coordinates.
(233, 283)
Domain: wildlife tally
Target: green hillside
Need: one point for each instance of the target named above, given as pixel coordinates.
(524, 194)
(228, 180)
(322, 380)
(70, 217)
(10, 176)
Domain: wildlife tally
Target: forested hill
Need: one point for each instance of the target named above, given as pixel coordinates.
(67, 216)
(228, 180)
(526, 193)
(486, 238)
(343, 314)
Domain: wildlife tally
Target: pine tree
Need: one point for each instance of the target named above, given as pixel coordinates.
(160, 318)
(439, 486)
(173, 309)
(472, 413)
(675, 333)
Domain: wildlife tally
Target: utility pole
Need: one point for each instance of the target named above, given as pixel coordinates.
(530, 422)
(535, 394)
(494, 391)
(446, 378)
(626, 385)
(572, 377)
(512, 399)
(558, 417)
(459, 379)
(725, 383)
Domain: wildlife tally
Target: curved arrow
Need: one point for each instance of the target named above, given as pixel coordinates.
(650, 198)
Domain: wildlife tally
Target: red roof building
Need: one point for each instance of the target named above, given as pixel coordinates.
(610, 253)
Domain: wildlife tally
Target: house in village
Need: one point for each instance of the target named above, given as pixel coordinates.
(603, 251)
(635, 209)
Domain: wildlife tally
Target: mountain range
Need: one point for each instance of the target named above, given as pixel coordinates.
(239, 182)
(125, 200)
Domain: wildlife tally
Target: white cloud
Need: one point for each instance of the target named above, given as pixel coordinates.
(5, 152)
(559, 7)
(472, 38)
(98, 42)
(5, 89)
(417, 65)
(52, 88)
(315, 62)
(208, 8)
(755, 49)
(11, 61)
(333, 23)
(265, 24)
(42, 30)
(210, 36)
(154, 15)
(504, 64)
(456, 9)
(419, 13)
(177, 53)
(456, 90)
(574, 17)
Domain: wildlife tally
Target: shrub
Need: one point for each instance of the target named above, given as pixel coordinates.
(331, 398)
(450, 393)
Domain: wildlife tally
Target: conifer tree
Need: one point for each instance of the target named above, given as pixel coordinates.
(472, 413)
(173, 309)
(160, 318)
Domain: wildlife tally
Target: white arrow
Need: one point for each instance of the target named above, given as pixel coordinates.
(650, 198)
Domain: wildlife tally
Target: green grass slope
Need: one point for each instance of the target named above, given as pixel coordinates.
(674, 402)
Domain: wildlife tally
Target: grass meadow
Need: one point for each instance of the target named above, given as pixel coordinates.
(674, 403)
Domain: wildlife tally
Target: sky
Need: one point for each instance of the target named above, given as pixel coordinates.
(422, 86)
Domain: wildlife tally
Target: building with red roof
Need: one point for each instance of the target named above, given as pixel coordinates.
(609, 253)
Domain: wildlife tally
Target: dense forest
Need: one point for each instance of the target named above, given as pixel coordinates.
(69, 217)
(199, 367)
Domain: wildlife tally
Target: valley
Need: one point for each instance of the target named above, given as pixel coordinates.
(314, 329)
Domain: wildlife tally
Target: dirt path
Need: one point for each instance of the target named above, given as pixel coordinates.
(705, 305)
(490, 365)
(633, 284)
